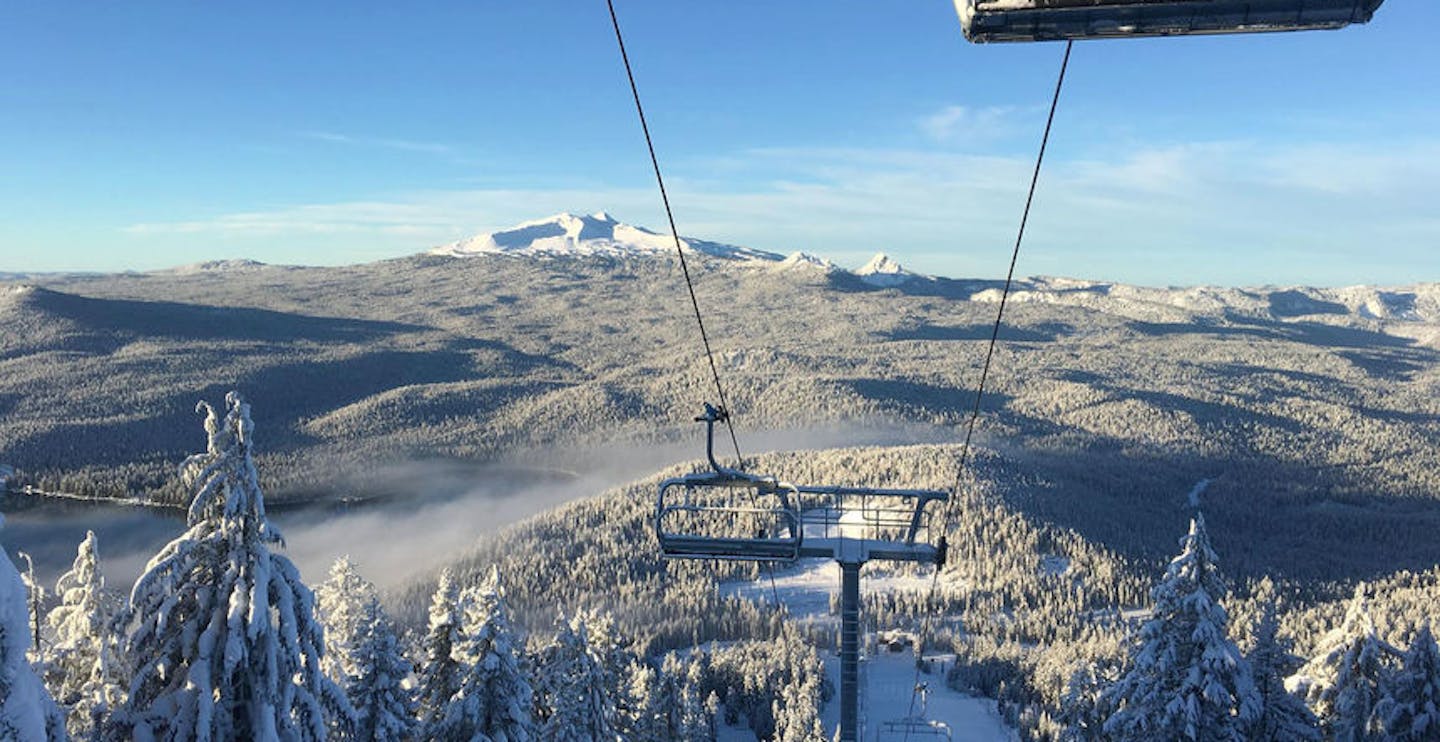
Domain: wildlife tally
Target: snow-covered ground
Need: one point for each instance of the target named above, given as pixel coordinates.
(889, 679)
(806, 587)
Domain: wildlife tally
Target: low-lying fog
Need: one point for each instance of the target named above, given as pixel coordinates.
(446, 508)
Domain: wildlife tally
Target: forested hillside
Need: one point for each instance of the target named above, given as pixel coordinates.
(1315, 409)
(1302, 423)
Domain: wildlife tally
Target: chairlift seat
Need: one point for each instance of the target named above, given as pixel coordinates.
(1056, 20)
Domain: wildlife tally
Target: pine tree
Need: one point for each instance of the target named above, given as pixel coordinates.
(494, 701)
(1411, 710)
(1187, 680)
(1343, 681)
(222, 632)
(384, 707)
(1084, 706)
(706, 727)
(36, 596)
(440, 672)
(340, 603)
(681, 712)
(797, 718)
(670, 699)
(1283, 716)
(26, 711)
(641, 717)
(610, 649)
(83, 667)
(570, 690)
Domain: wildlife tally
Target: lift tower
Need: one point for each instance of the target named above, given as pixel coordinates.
(733, 515)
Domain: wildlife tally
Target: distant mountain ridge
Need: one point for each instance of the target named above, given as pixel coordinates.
(594, 235)
(602, 235)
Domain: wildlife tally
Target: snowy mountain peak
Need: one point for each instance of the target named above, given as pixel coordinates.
(598, 234)
(884, 272)
(804, 260)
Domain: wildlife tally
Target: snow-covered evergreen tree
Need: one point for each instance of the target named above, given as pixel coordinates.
(706, 726)
(83, 667)
(384, 707)
(1187, 680)
(642, 718)
(222, 632)
(35, 598)
(571, 700)
(494, 702)
(688, 715)
(665, 704)
(26, 710)
(669, 698)
(341, 602)
(1084, 706)
(1283, 715)
(1343, 681)
(797, 717)
(439, 671)
(610, 649)
(1411, 710)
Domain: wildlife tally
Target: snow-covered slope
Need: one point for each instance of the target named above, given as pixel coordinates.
(805, 261)
(1392, 305)
(597, 234)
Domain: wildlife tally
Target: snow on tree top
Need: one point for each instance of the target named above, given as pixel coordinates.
(597, 234)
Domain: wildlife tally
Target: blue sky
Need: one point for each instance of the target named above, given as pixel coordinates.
(138, 136)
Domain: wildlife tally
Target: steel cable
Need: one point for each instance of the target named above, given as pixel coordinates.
(965, 447)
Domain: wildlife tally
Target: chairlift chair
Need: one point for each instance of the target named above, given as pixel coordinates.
(1057, 20)
(734, 515)
(915, 727)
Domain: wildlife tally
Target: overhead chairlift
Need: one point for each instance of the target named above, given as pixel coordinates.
(1059, 20)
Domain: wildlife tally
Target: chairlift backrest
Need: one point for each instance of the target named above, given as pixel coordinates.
(728, 515)
(1056, 20)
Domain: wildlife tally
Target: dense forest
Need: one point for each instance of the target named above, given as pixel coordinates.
(569, 626)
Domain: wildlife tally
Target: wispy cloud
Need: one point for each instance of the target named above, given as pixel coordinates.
(955, 124)
(422, 218)
(1215, 207)
(405, 145)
